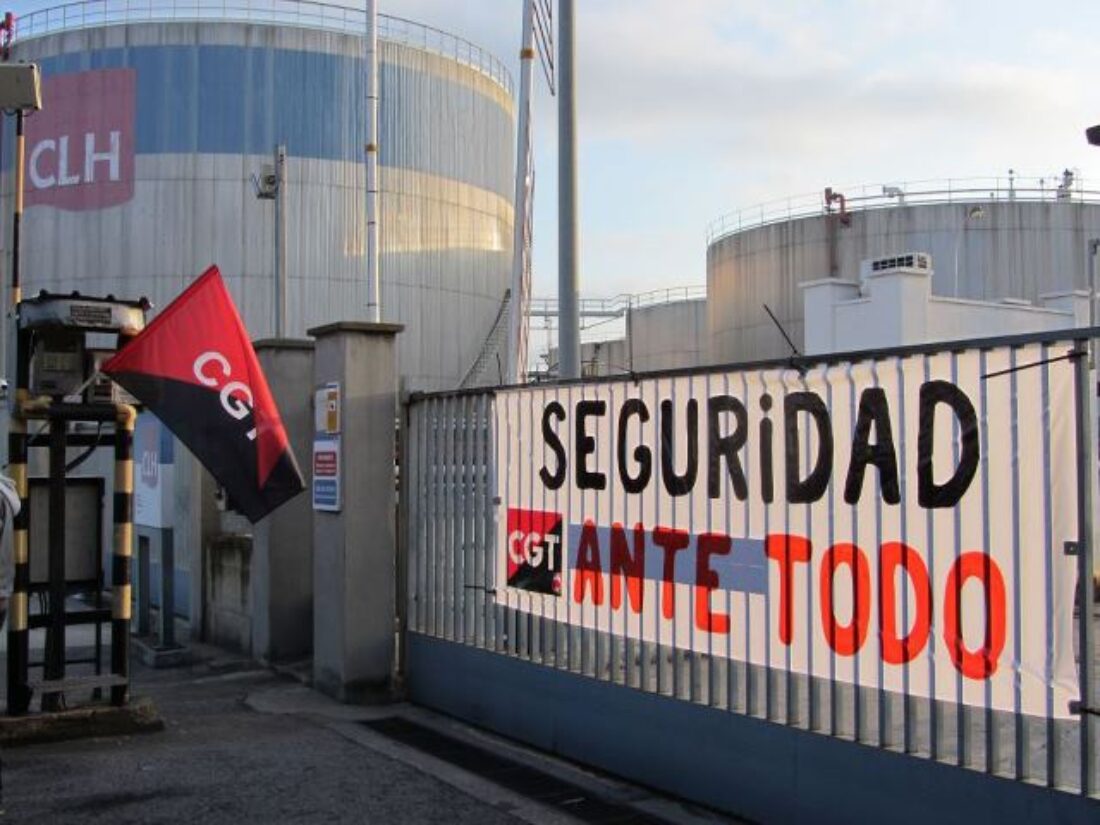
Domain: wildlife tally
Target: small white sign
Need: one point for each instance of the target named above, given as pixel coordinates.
(326, 474)
(326, 409)
(154, 473)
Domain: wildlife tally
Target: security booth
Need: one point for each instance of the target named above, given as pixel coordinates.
(63, 405)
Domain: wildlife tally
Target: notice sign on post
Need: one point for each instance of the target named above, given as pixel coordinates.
(326, 474)
(897, 523)
(326, 448)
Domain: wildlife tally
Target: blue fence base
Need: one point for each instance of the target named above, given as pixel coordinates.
(760, 770)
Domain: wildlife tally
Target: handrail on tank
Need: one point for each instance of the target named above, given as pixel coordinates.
(1061, 188)
(314, 14)
(617, 305)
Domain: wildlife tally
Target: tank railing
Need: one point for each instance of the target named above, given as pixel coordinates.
(617, 305)
(312, 14)
(1055, 188)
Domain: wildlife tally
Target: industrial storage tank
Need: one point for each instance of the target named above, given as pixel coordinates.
(140, 173)
(140, 168)
(991, 239)
(669, 334)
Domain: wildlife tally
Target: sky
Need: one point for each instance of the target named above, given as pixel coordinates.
(690, 109)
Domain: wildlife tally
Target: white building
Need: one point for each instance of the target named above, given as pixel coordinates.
(893, 305)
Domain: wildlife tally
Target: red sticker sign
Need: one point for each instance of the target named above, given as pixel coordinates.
(80, 147)
(534, 550)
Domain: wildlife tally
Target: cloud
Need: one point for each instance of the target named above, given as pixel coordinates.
(721, 103)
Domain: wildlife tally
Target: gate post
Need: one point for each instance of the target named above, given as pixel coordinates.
(354, 546)
(281, 576)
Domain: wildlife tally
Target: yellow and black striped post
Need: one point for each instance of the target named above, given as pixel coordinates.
(123, 550)
(19, 695)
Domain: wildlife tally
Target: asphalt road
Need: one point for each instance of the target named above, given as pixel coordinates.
(220, 761)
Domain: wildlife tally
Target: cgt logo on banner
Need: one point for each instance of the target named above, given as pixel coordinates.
(888, 524)
(80, 147)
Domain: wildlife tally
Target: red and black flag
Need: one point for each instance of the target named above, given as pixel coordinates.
(195, 369)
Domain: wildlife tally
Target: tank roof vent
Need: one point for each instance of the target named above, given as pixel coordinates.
(917, 263)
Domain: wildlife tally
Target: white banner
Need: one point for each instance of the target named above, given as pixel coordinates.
(889, 523)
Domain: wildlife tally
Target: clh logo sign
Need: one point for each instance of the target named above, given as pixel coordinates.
(80, 147)
(534, 551)
(149, 456)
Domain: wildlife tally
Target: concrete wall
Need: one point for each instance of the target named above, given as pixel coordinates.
(227, 607)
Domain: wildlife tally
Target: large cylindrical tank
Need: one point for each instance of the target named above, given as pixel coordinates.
(140, 170)
(1018, 244)
(668, 335)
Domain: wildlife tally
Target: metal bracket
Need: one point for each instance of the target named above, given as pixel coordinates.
(1071, 548)
(1082, 709)
(492, 591)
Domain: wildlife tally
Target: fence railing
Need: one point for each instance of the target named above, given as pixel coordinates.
(312, 14)
(860, 197)
(507, 547)
(617, 305)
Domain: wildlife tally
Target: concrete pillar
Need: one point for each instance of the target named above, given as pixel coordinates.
(355, 548)
(898, 313)
(281, 577)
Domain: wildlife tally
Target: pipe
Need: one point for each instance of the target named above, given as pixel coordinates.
(569, 339)
(843, 218)
(374, 278)
(280, 243)
(517, 369)
(17, 216)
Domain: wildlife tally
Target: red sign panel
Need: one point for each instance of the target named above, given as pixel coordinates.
(80, 147)
(325, 464)
(534, 550)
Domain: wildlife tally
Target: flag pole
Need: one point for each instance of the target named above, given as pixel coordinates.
(569, 343)
(517, 369)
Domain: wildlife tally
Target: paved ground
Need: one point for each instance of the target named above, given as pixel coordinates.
(219, 761)
(245, 744)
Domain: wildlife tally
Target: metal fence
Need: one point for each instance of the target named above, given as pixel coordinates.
(311, 14)
(467, 456)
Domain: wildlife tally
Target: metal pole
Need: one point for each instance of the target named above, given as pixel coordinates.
(17, 217)
(569, 339)
(55, 634)
(19, 696)
(1086, 570)
(1086, 478)
(516, 369)
(1094, 247)
(374, 277)
(280, 241)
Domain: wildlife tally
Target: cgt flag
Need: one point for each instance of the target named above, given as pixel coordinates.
(194, 367)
